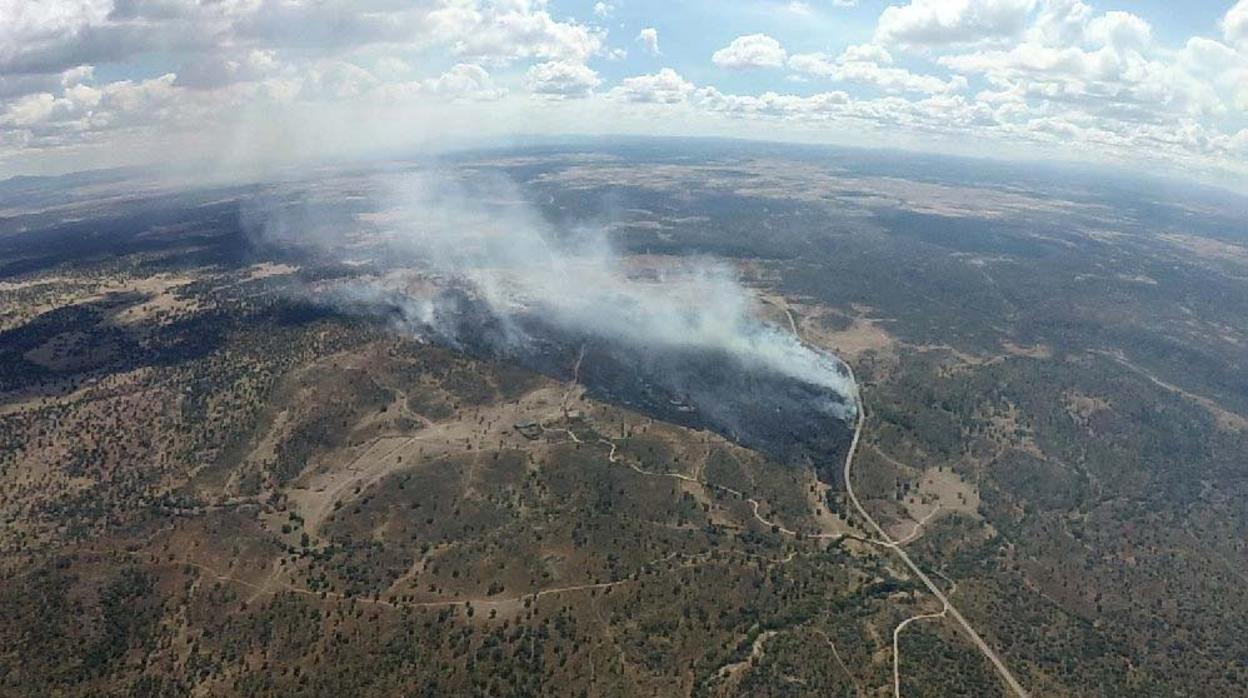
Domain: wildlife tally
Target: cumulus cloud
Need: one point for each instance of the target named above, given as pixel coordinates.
(562, 79)
(928, 23)
(663, 87)
(463, 81)
(771, 104)
(1121, 31)
(41, 38)
(230, 57)
(336, 80)
(1235, 24)
(19, 85)
(506, 31)
(48, 37)
(332, 24)
(750, 51)
(649, 39)
(862, 65)
(1060, 23)
(1084, 71)
(1208, 56)
(1047, 73)
(78, 109)
(220, 70)
(866, 53)
(1098, 82)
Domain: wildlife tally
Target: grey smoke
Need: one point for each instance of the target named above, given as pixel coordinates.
(427, 231)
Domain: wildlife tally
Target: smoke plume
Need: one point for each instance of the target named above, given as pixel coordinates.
(465, 260)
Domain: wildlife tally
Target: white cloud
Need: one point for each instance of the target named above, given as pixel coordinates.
(820, 64)
(750, 51)
(772, 104)
(1235, 24)
(218, 70)
(316, 25)
(392, 68)
(31, 109)
(1238, 143)
(335, 80)
(1055, 74)
(1108, 79)
(861, 65)
(12, 86)
(663, 87)
(649, 38)
(464, 81)
(48, 119)
(1121, 31)
(866, 53)
(48, 37)
(562, 79)
(1201, 55)
(943, 114)
(144, 97)
(928, 23)
(233, 56)
(1060, 23)
(956, 117)
(512, 30)
(897, 80)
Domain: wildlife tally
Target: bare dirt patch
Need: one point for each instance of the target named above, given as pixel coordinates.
(1208, 248)
(1084, 406)
(163, 304)
(265, 270)
(863, 335)
(346, 473)
(935, 494)
(1038, 351)
(848, 335)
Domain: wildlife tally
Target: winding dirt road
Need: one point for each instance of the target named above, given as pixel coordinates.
(884, 539)
(888, 542)
(897, 645)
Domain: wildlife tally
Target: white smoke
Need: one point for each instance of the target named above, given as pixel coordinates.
(484, 236)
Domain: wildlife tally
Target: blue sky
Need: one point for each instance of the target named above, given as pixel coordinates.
(691, 30)
(87, 83)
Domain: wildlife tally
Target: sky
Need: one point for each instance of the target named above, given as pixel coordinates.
(1148, 85)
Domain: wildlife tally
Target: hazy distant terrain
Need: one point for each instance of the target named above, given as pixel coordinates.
(235, 461)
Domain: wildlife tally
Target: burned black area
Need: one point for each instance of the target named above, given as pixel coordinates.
(786, 418)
